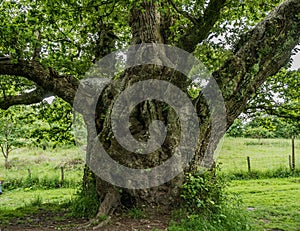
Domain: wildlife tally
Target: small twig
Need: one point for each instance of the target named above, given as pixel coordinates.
(184, 13)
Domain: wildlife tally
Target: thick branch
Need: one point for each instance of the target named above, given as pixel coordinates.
(281, 111)
(202, 26)
(64, 86)
(32, 97)
(265, 50)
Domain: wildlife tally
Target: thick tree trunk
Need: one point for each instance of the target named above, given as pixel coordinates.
(141, 118)
(238, 79)
(146, 29)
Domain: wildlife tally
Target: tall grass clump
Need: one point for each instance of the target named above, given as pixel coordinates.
(86, 201)
(207, 206)
(37, 201)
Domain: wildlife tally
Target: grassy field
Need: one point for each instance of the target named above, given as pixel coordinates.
(265, 154)
(272, 203)
(43, 164)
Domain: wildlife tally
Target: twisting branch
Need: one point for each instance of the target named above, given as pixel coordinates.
(64, 86)
(268, 47)
(282, 111)
(202, 25)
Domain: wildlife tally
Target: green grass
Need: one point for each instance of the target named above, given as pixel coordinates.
(13, 199)
(272, 203)
(265, 154)
(44, 166)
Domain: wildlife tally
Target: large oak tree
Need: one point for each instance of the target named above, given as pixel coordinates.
(54, 43)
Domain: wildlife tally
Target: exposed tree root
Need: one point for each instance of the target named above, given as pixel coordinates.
(103, 223)
(110, 202)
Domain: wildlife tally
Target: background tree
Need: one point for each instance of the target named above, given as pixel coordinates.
(237, 129)
(13, 133)
(52, 123)
(54, 43)
(279, 97)
(264, 126)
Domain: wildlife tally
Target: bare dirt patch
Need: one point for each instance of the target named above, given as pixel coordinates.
(48, 220)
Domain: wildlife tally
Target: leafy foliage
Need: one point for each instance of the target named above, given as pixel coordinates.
(230, 217)
(236, 129)
(62, 34)
(264, 127)
(203, 192)
(52, 124)
(13, 132)
(207, 205)
(279, 96)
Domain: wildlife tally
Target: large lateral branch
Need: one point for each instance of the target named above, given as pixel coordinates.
(64, 86)
(261, 53)
(282, 111)
(32, 97)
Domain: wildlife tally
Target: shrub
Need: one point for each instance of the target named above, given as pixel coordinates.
(230, 217)
(207, 206)
(203, 191)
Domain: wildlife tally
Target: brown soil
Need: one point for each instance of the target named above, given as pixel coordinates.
(46, 221)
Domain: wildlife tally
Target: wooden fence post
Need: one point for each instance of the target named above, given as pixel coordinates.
(29, 173)
(293, 153)
(248, 162)
(62, 175)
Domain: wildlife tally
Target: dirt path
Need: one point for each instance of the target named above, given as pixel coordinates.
(46, 221)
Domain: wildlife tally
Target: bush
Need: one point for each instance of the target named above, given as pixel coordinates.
(259, 133)
(236, 129)
(231, 216)
(207, 206)
(203, 191)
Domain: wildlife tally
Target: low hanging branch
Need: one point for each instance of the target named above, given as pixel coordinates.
(64, 86)
(281, 110)
(32, 97)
